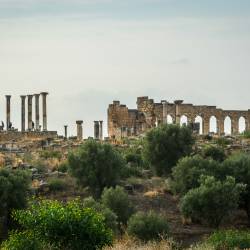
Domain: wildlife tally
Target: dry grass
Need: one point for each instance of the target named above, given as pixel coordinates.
(130, 244)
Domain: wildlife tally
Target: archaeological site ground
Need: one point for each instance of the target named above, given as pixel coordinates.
(167, 176)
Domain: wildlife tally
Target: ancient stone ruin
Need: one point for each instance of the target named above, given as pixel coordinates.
(124, 122)
(33, 129)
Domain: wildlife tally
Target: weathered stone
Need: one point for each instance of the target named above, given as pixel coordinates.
(124, 122)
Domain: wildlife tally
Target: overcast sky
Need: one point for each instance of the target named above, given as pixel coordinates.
(86, 53)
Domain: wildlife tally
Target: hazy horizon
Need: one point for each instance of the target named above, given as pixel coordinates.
(87, 53)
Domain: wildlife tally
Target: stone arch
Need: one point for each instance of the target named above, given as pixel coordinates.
(242, 124)
(228, 125)
(213, 128)
(170, 119)
(199, 119)
(183, 120)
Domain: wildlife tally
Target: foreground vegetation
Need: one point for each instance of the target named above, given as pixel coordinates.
(101, 200)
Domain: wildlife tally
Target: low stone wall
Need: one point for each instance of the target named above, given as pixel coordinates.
(16, 135)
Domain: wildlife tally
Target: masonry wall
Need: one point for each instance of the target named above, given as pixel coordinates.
(123, 122)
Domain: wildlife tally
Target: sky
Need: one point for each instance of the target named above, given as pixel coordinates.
(87, 53)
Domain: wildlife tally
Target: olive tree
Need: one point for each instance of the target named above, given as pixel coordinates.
(165, 145)
(212, 201)
(96, 165)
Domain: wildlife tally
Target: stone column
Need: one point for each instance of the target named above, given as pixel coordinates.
(8, 97)
(44, 96)
(66, 131)
(79, 130)
(23, 98)
(221, 128)
(177, 111)
(96, 130)
(205, 126)
(30, 112)
(37, 111)
(164, 111)
(234, 125)
(101, 130)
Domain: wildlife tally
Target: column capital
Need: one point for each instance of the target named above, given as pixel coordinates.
(79, 122)
(44, 93)
(23, 96)
(36, 95)
(8, 96)
(30, 96)
(178, 102)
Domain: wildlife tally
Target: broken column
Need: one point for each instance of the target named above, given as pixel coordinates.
(23, 98)
(101, 130)
(177, 111)
(79, 130)
(44, 101)
(96, 130)
(8, 112)
(37, 111)
(30, 112)
(66, 131)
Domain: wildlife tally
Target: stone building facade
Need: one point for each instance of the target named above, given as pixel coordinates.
(124, 122)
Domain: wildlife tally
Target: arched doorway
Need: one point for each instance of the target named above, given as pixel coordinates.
(169, 119)
(213, 124)
(198, 119)
(242, 124)
(183, 120)
(228, 126)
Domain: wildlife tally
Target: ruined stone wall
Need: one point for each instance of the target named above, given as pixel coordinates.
(32, 135)
(121, 120)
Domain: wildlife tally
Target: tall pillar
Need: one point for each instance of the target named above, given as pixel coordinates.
(221, 121)
(44, 100)
(164, 112)
(30, 112)
(23, 98)
(66, 131)
(101, 130)
(177, 111)
(79, 129)
(205, 126)
(235, 125)
(37, 111)
(8, 112)
(96, 130)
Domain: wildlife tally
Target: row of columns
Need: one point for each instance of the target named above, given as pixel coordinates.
(30, 109)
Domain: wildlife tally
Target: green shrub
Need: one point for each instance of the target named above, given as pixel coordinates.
(57, 184)
(96, 165)
(238, 166)
(148, 226)
(110, 218)
(230, 239)
(212, 201)
(23, 240)
(65, 226)
(40, 166)
(48, 154)
(63, 167)
(14, 187)
(216, 153)
(187, 172)
(165, 145)
(246, 134)
(118, 201)
(222, 141)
